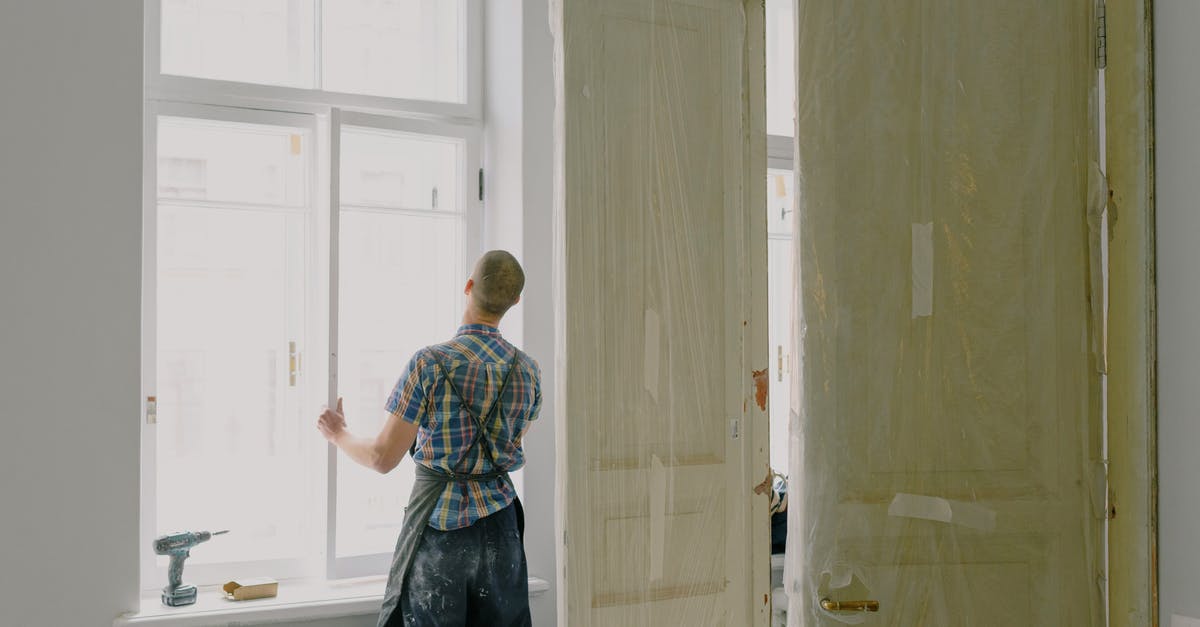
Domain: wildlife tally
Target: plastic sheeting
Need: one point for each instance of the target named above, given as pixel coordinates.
(946, 430)
(661, 326)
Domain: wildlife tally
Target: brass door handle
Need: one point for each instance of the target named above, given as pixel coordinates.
(849, 606)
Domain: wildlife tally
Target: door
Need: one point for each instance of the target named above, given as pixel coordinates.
(661, 312)
(948, 423)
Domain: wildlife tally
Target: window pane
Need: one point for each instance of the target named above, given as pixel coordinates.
(401, 289)
(232, 440)
(780, 210)
(781, 67)
(252, 41)
(237, 163)
(229, 427)
(412, 49)
(400, 277)
(398, 170)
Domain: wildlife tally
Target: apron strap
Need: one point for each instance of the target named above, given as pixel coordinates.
(480, 423)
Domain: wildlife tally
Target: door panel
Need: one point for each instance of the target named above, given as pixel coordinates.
(662, 246)
(943, 151)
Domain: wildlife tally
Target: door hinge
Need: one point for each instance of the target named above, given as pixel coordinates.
(734, 428)
(481, 184)
(151, 410)
(1101, 38)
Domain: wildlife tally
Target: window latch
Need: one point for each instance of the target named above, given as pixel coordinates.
(293, 364)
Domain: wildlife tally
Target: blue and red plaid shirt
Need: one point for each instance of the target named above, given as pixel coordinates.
(478, 359)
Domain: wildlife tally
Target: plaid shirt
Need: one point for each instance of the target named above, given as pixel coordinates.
(477, 358)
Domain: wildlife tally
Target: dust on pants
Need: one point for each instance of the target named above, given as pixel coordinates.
(471, 576)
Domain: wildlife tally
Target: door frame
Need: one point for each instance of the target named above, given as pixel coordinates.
(1132, 341)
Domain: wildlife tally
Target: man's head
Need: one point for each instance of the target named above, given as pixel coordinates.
(496, 284)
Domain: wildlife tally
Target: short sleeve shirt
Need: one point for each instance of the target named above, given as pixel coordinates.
(478, 359)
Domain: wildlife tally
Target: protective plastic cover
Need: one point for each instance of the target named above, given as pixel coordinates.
(946, 437)
(660, 271)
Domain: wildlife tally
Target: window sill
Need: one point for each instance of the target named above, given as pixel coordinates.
(298, 600)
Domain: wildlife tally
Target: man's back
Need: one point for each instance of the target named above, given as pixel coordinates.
(477, 362)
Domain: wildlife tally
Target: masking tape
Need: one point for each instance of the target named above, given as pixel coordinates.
(922, 270)
(650, 364)
(942, 510)
(658, 515)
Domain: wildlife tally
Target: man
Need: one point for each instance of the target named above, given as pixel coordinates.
(463, 407)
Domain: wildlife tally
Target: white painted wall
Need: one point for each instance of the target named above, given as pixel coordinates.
(70, 249)
(518, 158)
(537, 157)
(1177, 162)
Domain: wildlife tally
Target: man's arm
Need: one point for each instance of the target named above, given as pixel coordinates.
(381, 453)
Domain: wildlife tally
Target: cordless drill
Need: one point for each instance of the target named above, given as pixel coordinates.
(178, 545)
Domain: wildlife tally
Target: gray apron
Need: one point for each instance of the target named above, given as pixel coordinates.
(428, 488)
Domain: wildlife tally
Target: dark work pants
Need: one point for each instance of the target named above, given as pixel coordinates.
(471, 576)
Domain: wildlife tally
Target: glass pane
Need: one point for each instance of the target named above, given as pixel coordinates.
(399, 170)
(781, 66)
(401, 281)
(251, 41)
(780, 210)
(412, 49)
(228, 162)
(230, 433)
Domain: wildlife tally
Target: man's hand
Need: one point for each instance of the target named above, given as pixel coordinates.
(381, 453)
(332, 422)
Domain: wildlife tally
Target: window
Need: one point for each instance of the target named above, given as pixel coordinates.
(296, 249)
(416, 56)
(403, 232)
(781, 204)
(780, 213)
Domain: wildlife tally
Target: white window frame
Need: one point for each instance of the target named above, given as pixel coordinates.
(150, 570)
(363, 565)
(253, 95)
(324, 114)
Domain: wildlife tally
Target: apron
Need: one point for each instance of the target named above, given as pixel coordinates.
(428, 488)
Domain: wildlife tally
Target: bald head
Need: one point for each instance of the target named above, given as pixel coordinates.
(498, 281)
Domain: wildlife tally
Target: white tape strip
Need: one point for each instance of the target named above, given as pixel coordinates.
(658, 517)
(942, 510)
(650, 364)
(922, 270)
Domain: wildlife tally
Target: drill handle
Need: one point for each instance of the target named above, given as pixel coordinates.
(175, 570)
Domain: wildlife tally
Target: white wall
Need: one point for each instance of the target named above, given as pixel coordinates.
(518, 158)
(537, 157)
(70, 242)
(1177, 163)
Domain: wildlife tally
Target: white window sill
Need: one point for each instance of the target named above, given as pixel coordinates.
(297, 600)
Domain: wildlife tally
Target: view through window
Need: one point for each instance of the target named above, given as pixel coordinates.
(300, 252)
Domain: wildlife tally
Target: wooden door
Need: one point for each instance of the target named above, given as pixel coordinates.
(949, 427)
(661, 312)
